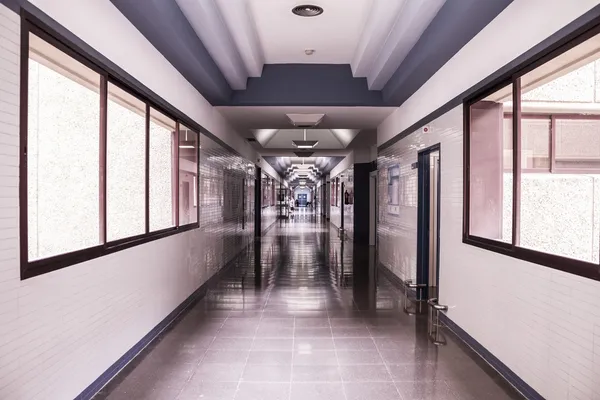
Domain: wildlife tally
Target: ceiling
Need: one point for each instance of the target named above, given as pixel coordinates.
(307, 168)
(251, 52)
(284, 37)
(247, 119)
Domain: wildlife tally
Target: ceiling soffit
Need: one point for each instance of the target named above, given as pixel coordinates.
(394, 46)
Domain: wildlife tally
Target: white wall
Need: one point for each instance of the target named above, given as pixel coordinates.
(542, 323)
(530, 22)
(62, 330)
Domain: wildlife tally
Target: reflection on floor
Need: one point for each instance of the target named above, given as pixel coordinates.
(298, 317)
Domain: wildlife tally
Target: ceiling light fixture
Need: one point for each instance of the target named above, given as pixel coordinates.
(309, 52)
(305, 144)
(307, 10)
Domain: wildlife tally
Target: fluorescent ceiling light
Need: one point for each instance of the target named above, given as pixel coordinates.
(305, 144)
(186, 146)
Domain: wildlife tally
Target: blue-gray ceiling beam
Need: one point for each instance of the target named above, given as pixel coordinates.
(457, 22)
(307, 85)
(162, 22)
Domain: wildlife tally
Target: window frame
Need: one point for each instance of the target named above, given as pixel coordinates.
(513, 78)
(29, 269)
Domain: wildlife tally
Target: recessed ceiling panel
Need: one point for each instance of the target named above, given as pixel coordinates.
(284, 137)
(332, 35)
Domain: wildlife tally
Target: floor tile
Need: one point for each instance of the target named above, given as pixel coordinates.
(267, 373)
(317, 357)
(317, 391)
(371, 390)
(365, 373)
(263, 391)
(316, 373)
(270, 357)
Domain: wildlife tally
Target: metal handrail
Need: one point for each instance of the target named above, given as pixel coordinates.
(408, 284)
(433, 321)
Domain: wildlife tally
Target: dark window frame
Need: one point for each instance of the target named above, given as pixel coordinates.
(513, 78)
(29, 269)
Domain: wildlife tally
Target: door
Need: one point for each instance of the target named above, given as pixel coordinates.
(428, 239)
(302, 198)
(373, 206)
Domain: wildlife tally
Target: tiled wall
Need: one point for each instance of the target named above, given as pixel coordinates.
(397, 219)
(269, 212)
(60, 331)
(542, 323)
(347, 179)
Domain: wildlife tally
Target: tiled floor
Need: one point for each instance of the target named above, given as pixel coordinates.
(303, 316)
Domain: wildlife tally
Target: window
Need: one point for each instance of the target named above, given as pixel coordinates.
(163, 176)
(102, 169)
(538, 200)
(125, 165)
(491, 187)
(63, 152)
(188, 176)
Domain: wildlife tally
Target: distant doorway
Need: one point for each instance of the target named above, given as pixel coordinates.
(302, 199)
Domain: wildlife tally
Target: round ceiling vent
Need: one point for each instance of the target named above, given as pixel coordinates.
(307, 10)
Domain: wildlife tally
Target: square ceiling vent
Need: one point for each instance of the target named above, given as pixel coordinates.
(305, 120)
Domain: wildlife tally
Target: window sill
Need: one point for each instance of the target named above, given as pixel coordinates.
(576, 267)
(43, 266)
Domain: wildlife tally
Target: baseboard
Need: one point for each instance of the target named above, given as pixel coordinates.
(395, 280)
(89, 392)
(268, 228)
(519, 384)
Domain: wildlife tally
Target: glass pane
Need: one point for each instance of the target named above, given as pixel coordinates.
(63, 139)
(162, 177)
(535, 143)
(578, 143)
(126, 165)
(188, 176)
(560, 212)
(491, 191)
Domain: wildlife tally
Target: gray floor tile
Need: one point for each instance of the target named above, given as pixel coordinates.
(365, 373)
(317, 357)
(316, 373)
(371, 391)
(435, 390)
(312, 344)
(225, 357)
(209, 391)
(348, 357)
(218, 372)
(355, 344)
(281, 344)
(270, 357)
(317, 391)
(267, 373)
(263, 391)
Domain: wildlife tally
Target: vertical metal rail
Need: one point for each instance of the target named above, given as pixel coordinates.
(433, 322)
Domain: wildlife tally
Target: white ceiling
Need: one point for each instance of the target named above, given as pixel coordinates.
(373, 36)
(334, 34)
(283, 139)
(246, 119)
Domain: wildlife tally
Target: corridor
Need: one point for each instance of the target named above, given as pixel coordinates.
(303, 316)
